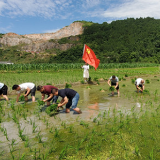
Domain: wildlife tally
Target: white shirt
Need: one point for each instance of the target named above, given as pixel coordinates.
(138, 81)
(1, 85)
(114, 80)
(85, 67)
(24, 87)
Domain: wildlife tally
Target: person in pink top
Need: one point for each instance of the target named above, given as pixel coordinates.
(47, 90)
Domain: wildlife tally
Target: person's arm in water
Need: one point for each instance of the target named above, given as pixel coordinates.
(50, 96)
(28, 90)
(116, 85)
(43, 96)
(18, 97)
(109, 82)
(139, 88)
(63, 101)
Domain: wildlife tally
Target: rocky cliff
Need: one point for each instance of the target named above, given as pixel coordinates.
(39, 42)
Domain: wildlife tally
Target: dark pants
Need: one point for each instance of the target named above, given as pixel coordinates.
(114, 84)
(3, 90)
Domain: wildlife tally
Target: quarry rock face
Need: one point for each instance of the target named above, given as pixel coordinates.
(40, 42)
(73, 29)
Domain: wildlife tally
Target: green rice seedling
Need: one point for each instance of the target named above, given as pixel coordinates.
(156, 92)
(44, 156)
(34, 126)
(84, 124)
(48, 83)
(151, 155)
(137, 152)
(124, 145)
(68, 85)
(120, 79)
(78, 145)
(12, 106)
(5, 134)
(86, 137)
(51, 149)
(39, 137)
(23, 156)
(47, 124)
(82, 81)
(15, 119)
(40, 103)
(21, 98)
(26, 144)
(111, 88)
(147, 81)
(56, 134)
(110, 152)
(87, 151)
(146, 92)
(52, 109)
(123, 79)
(88, 87)
(70, 129)
(63, 124)
(51, 130)
(35, 154)
(24, 115)
(133, 81)
(123, 85)
(23, 137)
(63, 153)
(11, 152)
(126, 75)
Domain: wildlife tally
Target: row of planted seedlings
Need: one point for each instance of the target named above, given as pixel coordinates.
(114, 133)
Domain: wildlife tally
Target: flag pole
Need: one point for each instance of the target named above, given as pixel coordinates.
(83, 49)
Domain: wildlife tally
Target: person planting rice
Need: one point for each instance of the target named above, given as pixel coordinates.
(28, 88)
(139, 83)
(3, 91)
(47, 90)
(114, 82)
(69, 97)
(85, 72)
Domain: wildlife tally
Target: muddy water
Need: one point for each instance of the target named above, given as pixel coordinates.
(94, 99)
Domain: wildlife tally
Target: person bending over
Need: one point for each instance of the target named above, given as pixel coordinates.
(28, 88)
(3, 91)
(113, 81)
(139, 83)
(47, 90)
(69, 97)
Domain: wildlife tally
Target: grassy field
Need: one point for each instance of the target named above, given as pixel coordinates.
(125, 127)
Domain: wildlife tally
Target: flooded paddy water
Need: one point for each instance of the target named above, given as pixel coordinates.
(110, 127)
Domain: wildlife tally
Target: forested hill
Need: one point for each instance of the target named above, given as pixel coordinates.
(130, 40)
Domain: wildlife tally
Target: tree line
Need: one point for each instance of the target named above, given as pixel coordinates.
(129, 40)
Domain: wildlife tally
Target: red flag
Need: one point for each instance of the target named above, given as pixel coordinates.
(90, 57)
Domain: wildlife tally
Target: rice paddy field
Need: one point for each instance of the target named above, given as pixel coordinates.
(110, 127)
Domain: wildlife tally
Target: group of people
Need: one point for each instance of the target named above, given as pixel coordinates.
(114, 81)
(69, 96)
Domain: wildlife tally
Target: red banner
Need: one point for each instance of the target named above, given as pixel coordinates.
(90, 57)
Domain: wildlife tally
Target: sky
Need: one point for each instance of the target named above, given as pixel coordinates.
(48, 16)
